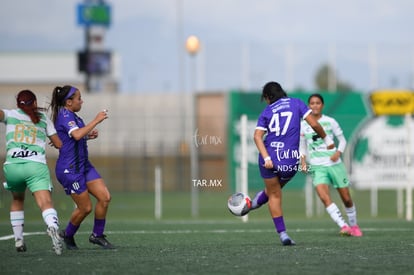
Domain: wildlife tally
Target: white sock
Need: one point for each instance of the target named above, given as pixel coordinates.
(17, 222)
(352, 216)
(336, 215)
(50, 218)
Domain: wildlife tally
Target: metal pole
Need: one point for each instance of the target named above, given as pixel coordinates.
(158, 193)
(244, 160)
(87, 54)
(193, 149)
(409, 198)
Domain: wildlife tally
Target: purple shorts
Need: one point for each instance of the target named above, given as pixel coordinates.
(285, 170)
(76, 182)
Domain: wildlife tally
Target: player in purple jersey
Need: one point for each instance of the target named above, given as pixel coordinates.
(74, 171)
(277, 137)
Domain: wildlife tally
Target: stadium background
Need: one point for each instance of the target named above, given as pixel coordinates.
(148, 131)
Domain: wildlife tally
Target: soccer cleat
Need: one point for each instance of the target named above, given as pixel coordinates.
(20, 245)
(356, 231)
(69, 241)
(285, 239)
(56, 239)
(254, 201)
(248, 206)
(101, 241)
(345, 231)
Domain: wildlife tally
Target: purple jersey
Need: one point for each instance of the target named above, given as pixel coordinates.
(281, 120)
(73, 156)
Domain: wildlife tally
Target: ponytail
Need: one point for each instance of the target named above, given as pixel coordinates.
(59, 97)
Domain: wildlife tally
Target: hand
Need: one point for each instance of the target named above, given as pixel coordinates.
(268, 164)
(304, 168)
(102, 115)
(331, 146)
(335, 156)
(52, 145)
(93, 134)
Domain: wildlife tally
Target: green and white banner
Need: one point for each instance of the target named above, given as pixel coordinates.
(349, 109)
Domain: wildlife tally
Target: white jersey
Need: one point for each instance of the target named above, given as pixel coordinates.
(26, 141)
(314, 147)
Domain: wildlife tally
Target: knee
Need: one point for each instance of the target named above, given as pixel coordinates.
(86, 209)
(105, 200)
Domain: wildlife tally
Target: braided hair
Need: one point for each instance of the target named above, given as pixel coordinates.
(27, 102)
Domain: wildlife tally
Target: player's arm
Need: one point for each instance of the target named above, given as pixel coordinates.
(1, 115)
(341, 140)
(258, 140)
(320, 131)
(55, 141)
(80, 133)
(303, 152)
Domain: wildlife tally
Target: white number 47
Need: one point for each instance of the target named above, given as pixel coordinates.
(274, 124)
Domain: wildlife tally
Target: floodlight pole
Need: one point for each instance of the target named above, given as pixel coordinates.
(87, 54)
(409, 188)
(193, 46)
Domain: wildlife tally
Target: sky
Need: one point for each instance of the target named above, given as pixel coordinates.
(244, 43)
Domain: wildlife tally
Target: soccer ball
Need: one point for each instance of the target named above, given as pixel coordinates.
(239, 204)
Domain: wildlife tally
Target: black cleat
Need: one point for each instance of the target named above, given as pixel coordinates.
(285, 239)
(69, 241)
(101, 241)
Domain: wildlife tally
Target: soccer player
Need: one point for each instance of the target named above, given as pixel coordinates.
(277, 137)
(326, 167)
(74, 171)
(27, 129)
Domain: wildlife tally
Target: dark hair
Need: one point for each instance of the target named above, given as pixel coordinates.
(59, 97)
(273, 92)
(316, 95)
(26, 100)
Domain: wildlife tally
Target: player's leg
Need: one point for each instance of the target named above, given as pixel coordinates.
(341, 183)
(274, 193)
(17, 220)
(321, 180)
(350, 210)
(16, 184)
(98, 189)
(259, 199)
(82, 210)
(40, 184)
(44, 201)
(323, 193)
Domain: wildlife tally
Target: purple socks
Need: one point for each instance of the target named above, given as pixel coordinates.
(279, 224)
(71, 229)
(260, 199)
(98, 227)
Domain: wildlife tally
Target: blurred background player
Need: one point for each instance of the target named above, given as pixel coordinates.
(27, 129)
(74, 171)
(326, 167)
(277, 139)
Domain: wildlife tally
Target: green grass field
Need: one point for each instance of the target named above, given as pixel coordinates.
(214, 243)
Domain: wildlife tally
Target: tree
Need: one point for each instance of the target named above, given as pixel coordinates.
(326, 79)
